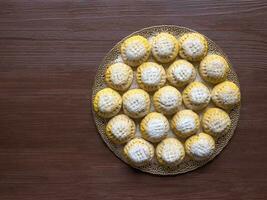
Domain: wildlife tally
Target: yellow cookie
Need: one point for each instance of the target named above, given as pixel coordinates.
(216, 122)
(214, 69)
(138, 152)
(170, 152)
(136, 103)
(167, 100)
(193, 46)
(150, 76)
(165, 47)
(226, 95)
(200, 146)
(185, 123)
(120, 129)
(154, 127)
(180, 73)
(135, 50)
(196, 96)
(119, 76)
(107, 103)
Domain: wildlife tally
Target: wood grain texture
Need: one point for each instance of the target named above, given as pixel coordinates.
(49, 54)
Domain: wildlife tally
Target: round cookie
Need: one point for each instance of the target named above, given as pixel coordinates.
(200, 146)
(185, 123)
(150, 76)
(154, 127)
(165, 47)
(135, 50)
(214, 69)
(216, 122)
(226, 95)
(136, 103)
(196, 96)
(120, 129)
(119, 76)
(193, 46)
(138, 152)
(170, 152)
(167, 100)
(180, 73)
(107, 103)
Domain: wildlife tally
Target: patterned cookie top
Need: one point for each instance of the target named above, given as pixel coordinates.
(120, 129)
(196, 96)
(138, 152)
(200, 146)
(180, 73)
(119, 76)
(170, 152)
(214, 69)
(193, 46)
(135, 50)
(226, 95)
(150, 76)
(167, 100)
(185, 123)
(165, 47)
(154, 127)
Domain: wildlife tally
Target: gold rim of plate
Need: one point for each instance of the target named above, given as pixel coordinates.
(154, 168)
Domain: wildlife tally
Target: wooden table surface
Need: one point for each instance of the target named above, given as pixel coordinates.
(49, 54)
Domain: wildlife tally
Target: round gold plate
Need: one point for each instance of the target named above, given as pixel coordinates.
(154, 168)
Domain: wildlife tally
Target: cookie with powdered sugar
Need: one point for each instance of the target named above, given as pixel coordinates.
(136, 103)
(120, 129)
(196, 96)
(150, 76)
(119, 76)
(107, 103)
(135, 50)
(214, 69)
(216, 122)
(170, 152)
(154, 127)
(200, 146)
(185, 123)
(226, 95)
(193, 46)
(180, 73)
(165, 47)
(138, 152)
(167, 100)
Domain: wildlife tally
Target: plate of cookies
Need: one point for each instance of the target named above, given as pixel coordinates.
(166, 100)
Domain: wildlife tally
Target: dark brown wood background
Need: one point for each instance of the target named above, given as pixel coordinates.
(49, 54)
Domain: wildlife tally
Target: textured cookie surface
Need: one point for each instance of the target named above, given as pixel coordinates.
(119, 76)
(154, 127)
(214, 69)
(107, 103)
(150, 76)
(193, 46)
(165, 47)
(170, 152)
(167, 100)
(135, 50)
(200, 146)
(216, 122)
(196, 96)
(185, 123)
(180, 73)
(226, 95)
(136, 103)
(138, 152)
(120, 129)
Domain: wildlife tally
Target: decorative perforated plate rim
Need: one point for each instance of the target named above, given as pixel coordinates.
(154, 168)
